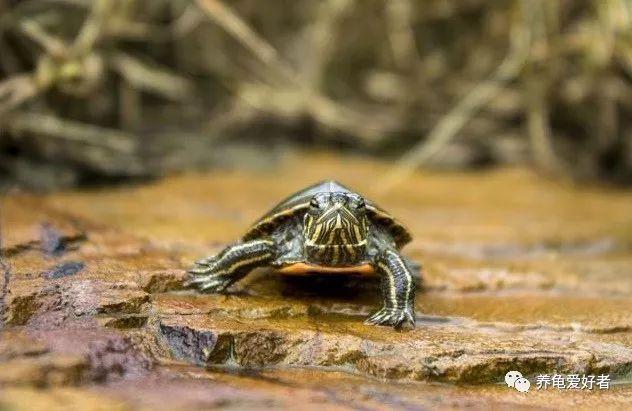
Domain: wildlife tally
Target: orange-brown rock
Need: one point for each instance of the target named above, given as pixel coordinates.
(520, 273)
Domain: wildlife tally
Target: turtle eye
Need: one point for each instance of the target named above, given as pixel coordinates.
(361, 204)
(314, 203)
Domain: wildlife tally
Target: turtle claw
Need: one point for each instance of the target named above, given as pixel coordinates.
(215, 285)
(393, 317)
(206, 260)
(210, 283)
(201, 275)
(198, 270)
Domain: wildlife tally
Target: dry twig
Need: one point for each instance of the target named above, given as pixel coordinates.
(448, 127)
(71, 131)
(400, 33)
(16, 90)
(295, 96)
(260, 48)
(151, 78)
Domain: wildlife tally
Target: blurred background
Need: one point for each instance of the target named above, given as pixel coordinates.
(104, 91)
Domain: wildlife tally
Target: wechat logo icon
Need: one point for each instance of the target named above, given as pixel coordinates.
(515, 380)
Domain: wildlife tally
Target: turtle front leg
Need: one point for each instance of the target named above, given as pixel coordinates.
(215, 274)
(398, 291)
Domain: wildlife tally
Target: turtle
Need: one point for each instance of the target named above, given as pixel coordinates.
(324, 228)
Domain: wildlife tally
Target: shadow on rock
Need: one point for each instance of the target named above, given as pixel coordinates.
(339, 287)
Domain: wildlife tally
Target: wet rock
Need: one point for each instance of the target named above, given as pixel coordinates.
(28, 217)
(44, 371)
(161, 281)
(123, 322)
(186, 388)
(51, 240)
(519, 274)
(27, 398)
(520, 310)
(64, 269)
(519, 251)
(484, 279)
(441, 353)
(108, 355)
(193, 346)
(70, 354)
(242, 306)
(15, 343)
(116, 357)
(183, 388)
(89, 297)
(26, 299)
(34, 300)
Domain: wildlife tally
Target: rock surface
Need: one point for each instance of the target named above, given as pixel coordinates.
(520, 274)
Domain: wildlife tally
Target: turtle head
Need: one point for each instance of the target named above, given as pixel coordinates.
(335, 229)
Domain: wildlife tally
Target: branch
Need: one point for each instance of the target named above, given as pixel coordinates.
(51, 44)
(151, 78)
(448, 127)
(93, 27)
(47, 125)
(233, 24)
(16, 90)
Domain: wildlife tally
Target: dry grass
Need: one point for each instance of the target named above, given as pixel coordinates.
(545, 81)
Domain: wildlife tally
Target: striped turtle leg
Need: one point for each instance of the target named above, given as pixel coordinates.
(215, 274)
(398, 291)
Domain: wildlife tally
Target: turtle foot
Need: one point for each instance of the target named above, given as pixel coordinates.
(207, 261)
(204, 268)
(393, 317)
(205, 278)
(211, 283)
